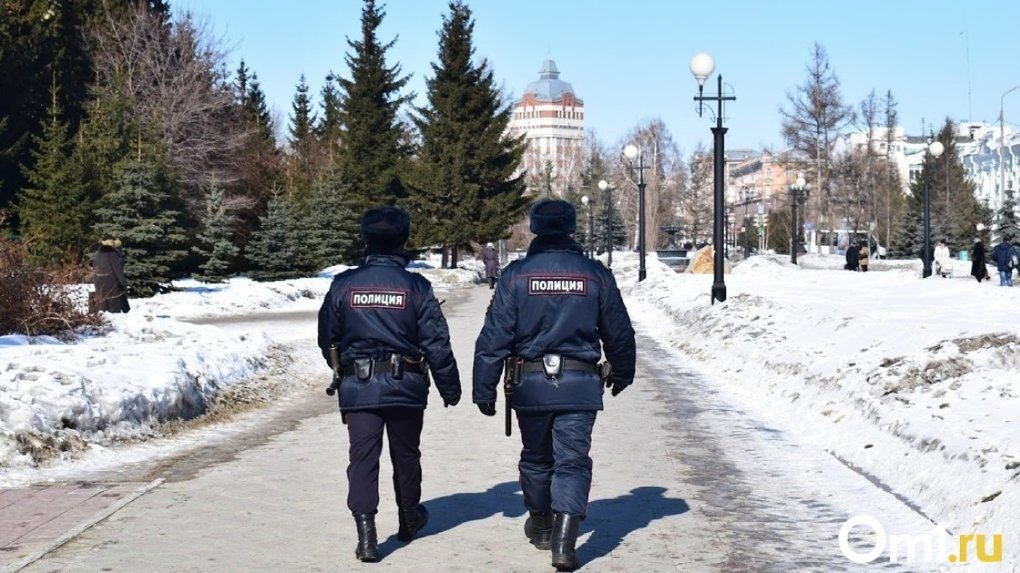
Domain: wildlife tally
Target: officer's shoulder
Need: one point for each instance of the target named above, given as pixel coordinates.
(344, 274)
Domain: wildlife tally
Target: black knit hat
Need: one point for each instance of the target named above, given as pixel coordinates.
(385, 228)
(553, 217)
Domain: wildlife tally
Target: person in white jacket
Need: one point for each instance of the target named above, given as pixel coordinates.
(942, 260)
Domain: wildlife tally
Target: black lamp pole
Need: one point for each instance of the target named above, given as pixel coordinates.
(934, 150)
(591, 232)
(630, 151)
(718, 284)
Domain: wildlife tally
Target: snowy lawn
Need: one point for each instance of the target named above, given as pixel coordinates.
(148, 368)
(916, 383)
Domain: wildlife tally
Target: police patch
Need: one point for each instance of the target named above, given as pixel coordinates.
(551, 285)
(393, 299)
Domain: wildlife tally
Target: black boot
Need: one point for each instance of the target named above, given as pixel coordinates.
(564, 538)
(411, 522)
(368, 542)
(538, 528)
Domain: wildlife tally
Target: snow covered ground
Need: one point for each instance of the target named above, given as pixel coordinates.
(915, 383)
(911, 382)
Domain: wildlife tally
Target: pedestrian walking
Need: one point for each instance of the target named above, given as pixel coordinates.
(862, 256)
(852, 257)
(1005, 257)
(545, 322)
(943, 259)
(978, 266)
(386, 331)
(110, 283)
(491, 259)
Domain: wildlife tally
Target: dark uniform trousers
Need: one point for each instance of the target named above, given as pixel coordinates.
(365, 428)
(555, 466)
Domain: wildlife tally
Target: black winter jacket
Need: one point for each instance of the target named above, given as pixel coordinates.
(555, 300)
(379, 309)
(110, 282)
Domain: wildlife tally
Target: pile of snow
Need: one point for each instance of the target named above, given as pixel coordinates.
(148, 367)
(884, 370)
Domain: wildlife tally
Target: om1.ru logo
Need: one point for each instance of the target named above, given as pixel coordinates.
(920, 548)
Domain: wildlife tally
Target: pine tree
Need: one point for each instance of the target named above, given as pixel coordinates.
(328, 229)
(464, 183)
(257, 111)
(1006, 219)
(55, 207)
(329, 130)
(374, 151)
(215, 244)
(303, 161)
(141, 212)
(272, 250)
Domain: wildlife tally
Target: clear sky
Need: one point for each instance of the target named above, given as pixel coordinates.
(629, 61)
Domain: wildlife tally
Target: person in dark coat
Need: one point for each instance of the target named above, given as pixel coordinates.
(853, 257)
(978, 266)
(1003, 255)
(390, 331)
(553, 313)
(110, 282)
(491, 259)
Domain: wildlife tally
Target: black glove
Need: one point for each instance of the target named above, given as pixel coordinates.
(616, 387)
(448, 403)
(487, 408)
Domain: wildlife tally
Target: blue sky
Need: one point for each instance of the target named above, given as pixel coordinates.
(628, 61)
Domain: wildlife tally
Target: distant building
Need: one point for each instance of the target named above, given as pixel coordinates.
(551, 118)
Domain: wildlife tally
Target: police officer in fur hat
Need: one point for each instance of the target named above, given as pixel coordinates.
(390, 332)
(552, 314)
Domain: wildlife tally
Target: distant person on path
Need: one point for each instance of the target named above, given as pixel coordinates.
(551, 312)
(862, 256)
(1005, 255)
(978, 266)
(942, 259)
(110, 282)
(491, 259)
(390, 331)
(852, 257)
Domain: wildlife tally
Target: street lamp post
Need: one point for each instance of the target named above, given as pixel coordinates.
(604, 186)
(1002, 142)
(934, 149)
(799, 192)
(632, 151)
(591, 227)
(702, 66)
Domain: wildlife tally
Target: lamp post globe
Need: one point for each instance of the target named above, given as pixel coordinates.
(604, 186)
(702, 66)
(630, 152)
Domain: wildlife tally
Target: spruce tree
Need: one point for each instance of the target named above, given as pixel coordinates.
(55, 208)
(215, 244)
(329, 129)
(302, 162)
(1006, 219)
(464, 182)
(328, 230)
(374, 152)
(142, 213)
(272, 250)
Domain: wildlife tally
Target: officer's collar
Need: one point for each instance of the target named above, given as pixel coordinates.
(545, 243)
(401, 258)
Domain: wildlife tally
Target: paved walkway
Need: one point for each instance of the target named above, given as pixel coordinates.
(683, 482)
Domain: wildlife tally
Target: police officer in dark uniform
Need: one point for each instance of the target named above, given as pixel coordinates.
(388, 326)
(548, 314)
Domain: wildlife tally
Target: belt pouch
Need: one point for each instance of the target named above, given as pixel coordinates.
(363, 368)
(552, 364)
(396, 366)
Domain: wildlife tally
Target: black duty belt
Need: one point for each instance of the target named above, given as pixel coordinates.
(415, 367)
(568, 364)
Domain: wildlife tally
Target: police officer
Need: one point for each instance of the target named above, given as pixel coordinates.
(549, 312)
(388, 326)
